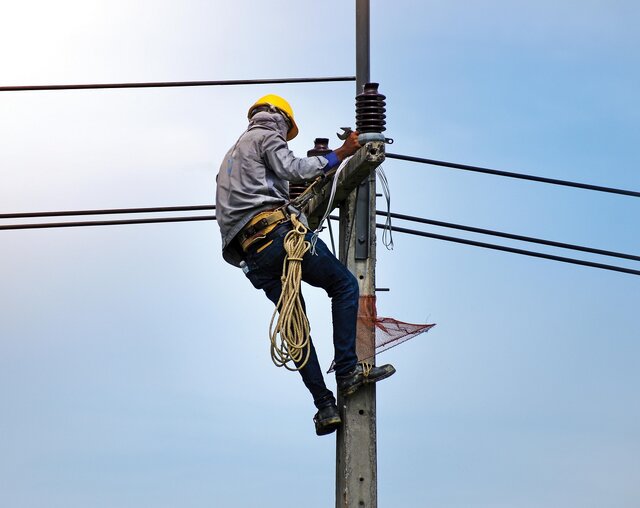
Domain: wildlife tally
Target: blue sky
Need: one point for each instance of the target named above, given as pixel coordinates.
(130, 374)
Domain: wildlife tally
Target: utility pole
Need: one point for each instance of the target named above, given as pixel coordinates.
(356, 450)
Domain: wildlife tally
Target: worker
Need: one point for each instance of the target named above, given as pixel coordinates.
(253, 212)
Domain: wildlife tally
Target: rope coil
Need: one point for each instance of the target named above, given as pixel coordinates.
(290, 335)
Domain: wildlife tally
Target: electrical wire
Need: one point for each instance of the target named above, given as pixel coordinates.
(521, 176)
(164, 209)
(508, 249)
(512, 250)
(333, 242)
(522, 238)
(332, 194)
(106, 211)
(379, 226)
(387, 235)
(166, 84)
(70, 224)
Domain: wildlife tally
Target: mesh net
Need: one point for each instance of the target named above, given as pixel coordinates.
(377, 334)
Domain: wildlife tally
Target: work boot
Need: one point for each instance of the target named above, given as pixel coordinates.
(349, 383)
(327, 419)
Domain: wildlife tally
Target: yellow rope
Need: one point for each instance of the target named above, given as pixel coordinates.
(366, 367)
(290, 342)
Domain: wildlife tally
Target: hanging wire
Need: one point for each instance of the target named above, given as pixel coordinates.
(521, 176)
(387, 234)
(333, 242)
(332, 195)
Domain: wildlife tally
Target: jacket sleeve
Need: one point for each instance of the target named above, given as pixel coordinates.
(287, 166)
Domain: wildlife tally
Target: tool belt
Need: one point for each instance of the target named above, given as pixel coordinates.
(260, 226)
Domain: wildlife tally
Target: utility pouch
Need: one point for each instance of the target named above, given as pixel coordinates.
(260, 226)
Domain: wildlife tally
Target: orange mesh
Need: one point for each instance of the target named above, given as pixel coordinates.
(365, 329)
(376, 334)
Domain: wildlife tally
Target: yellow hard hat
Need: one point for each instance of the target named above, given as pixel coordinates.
(277, 102)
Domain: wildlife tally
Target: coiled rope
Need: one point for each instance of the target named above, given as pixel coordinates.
(290, 342)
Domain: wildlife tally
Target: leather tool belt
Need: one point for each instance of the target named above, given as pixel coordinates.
(259, 226)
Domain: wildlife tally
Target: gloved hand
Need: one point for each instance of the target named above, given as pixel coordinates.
(349, 147)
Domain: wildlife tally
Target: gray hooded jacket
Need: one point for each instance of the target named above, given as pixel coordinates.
(254, 176)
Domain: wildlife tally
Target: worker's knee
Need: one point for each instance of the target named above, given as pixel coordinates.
(351, 291)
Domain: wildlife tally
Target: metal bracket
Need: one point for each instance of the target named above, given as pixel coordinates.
(353, 175)
(362, 220)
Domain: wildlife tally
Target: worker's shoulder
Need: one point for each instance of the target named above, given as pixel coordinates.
(263, 138)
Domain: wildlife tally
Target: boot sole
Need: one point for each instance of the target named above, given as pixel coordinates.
(351, 390)
(328, 426)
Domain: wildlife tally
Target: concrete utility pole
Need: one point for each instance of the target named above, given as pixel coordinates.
(356, 452)
(356, 460)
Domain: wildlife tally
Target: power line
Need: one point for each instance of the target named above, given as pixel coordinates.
(70, 224)
(166, 84)
(521, 176)
(164, 209)
(379, 226)
(106, 211)
(512, 250)
(510, 236)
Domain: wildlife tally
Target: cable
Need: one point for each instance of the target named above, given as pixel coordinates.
(387, 236)
(510, 236)
(106, 211)
(509, 249)
(334, 187)
(513, 175)
(380, 226)
(333, 242)
(512, 250)
(105, 222)
(109, 211)
(165, 84)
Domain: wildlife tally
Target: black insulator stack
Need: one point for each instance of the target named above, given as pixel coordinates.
(321, 147)
(370, 110)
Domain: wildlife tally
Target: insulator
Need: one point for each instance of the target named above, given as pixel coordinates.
(321, 147)
(370, 110)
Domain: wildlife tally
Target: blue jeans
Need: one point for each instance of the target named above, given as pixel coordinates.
(322, 270)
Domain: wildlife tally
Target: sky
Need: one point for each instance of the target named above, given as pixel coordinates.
(134, 364)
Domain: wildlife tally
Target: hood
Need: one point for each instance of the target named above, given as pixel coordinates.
(273, 121)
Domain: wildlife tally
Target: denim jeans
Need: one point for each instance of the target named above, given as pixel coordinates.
(323, 270)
